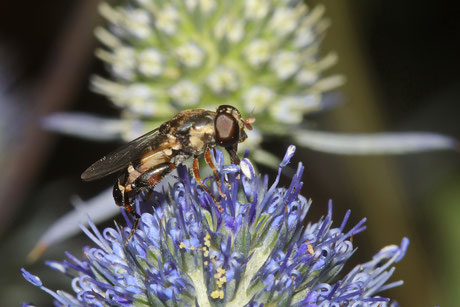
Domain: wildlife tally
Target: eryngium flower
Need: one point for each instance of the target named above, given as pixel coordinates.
(257, 251)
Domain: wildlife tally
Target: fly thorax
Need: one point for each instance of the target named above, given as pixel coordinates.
(201, 137)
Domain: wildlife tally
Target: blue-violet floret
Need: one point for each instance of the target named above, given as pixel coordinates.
(257, 251)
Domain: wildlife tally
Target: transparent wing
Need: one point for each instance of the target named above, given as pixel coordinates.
(123, 156)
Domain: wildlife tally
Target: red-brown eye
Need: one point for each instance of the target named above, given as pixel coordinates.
(227, 130)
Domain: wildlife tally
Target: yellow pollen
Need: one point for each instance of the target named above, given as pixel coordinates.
(217, 294)
(206, 253)
(182, 245)
(310, 249)
(214, 294)
(192, 247)
(206, 262)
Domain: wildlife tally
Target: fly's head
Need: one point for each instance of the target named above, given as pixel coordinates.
(230, 127)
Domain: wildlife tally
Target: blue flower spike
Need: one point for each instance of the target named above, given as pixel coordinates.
(258, 251)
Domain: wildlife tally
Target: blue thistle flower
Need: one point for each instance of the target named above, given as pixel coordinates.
(257, 251)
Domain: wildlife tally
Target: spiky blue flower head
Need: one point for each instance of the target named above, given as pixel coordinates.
(257, 251)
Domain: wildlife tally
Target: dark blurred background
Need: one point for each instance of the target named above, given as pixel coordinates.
(402, 67)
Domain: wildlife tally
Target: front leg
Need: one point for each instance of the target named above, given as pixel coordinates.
(208, 158)
(196, 172)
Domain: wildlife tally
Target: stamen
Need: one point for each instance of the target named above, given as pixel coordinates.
(310, 249)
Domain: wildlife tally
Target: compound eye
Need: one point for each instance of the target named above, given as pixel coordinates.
(227, 130)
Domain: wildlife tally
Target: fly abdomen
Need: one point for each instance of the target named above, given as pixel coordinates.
(154, 175)
(119, 190)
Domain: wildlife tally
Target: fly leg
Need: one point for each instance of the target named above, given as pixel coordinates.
(207, 157)
(124, 194)
(136, 218)
(148, 179)
(196, 172)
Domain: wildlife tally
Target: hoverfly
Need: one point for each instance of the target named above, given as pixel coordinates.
(145, 161)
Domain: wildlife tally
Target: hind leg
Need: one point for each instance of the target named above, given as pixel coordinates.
(124, 192)
(124, 196)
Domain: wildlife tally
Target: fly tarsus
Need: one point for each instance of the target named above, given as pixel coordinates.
(208, 158)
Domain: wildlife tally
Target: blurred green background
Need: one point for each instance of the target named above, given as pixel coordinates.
(402, 67)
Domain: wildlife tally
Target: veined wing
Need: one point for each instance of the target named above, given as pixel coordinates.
(123, 156)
